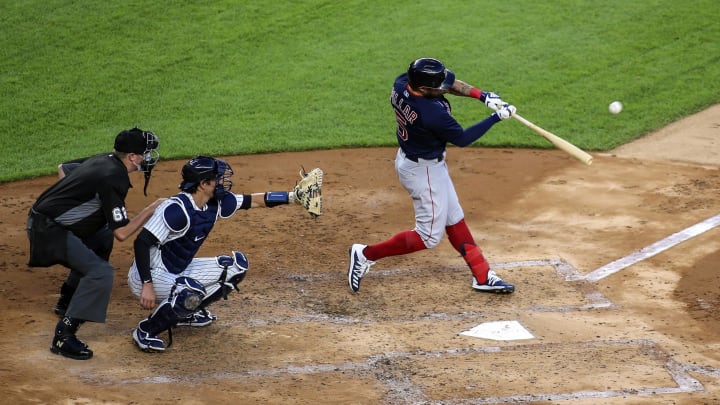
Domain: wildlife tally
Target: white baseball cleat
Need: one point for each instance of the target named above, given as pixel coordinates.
(359, 266)
(493, 284)
(147, 342)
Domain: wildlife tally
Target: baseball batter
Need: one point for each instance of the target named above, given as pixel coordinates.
(165, 270)
(425, 126)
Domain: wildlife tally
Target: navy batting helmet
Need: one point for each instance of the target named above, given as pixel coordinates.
(202, 168)
(430, 73)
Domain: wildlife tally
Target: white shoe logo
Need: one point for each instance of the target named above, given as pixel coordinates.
(197, 238)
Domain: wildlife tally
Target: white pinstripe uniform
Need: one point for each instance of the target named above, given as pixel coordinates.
(203, 269)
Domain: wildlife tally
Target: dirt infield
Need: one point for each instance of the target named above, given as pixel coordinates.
(615, 266)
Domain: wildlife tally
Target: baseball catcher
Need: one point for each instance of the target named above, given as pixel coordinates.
(167, 276)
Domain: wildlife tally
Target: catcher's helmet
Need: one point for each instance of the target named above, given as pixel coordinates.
(430, 73)
(202, 168)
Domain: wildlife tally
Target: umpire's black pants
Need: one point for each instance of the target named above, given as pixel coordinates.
(94, 274)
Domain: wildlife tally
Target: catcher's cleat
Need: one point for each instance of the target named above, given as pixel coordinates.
(71, 347)
(493, 284)
(201, 317)
(147, 342)
(359, 266)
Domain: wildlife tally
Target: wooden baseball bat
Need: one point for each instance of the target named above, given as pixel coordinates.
(560, 143)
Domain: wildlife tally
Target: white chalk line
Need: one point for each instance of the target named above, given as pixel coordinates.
(404, 390)
(678, 372)
(401, 389)
(652, 250)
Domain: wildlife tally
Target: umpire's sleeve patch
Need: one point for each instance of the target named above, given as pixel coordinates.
(175, 217)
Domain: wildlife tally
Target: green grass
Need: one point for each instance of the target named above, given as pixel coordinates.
(241, 77)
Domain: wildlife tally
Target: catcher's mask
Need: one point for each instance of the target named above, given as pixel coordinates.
(430, 73)
(202, 168)
(143, 143)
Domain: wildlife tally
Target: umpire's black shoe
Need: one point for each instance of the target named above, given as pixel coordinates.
(70, 346)
(65, 342)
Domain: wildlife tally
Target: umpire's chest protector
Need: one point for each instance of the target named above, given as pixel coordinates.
(178, 253)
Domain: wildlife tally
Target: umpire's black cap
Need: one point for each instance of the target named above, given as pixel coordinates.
(135, 140)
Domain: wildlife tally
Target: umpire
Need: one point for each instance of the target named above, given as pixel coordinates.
(66, 219)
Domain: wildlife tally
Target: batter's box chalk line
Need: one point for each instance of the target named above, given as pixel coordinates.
(654, 249)
(402, 389)
(684, 382)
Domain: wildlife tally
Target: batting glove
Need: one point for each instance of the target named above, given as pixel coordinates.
(492, 100)
(506, 111)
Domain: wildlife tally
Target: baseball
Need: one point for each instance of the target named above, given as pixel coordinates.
(615, 107)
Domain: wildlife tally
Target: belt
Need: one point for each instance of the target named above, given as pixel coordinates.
(415, 159)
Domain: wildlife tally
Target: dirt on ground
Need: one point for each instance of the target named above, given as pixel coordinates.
(615, 264)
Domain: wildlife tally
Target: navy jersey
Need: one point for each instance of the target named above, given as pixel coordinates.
(89, 197)
(180, 229)
(426, 125)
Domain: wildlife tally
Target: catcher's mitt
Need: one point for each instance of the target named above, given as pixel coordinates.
(308, 191)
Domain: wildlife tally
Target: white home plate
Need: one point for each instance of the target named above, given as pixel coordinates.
(500, 330)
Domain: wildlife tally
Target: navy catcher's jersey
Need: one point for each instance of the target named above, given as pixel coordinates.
(181, 228)
(89, 197)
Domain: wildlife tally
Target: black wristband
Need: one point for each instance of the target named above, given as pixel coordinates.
(246, 202)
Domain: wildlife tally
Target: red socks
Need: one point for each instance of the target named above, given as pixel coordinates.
(462, 240)
(409, 241)
(477, 262)
(459, 234)
(401, 243)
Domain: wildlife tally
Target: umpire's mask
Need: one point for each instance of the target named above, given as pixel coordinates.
(143, 143)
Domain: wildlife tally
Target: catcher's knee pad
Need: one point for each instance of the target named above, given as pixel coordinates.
(186, 296)
(235, 268)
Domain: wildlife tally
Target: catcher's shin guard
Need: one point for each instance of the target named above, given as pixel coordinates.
(146, 334)
(147, 342)
(185, 298)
